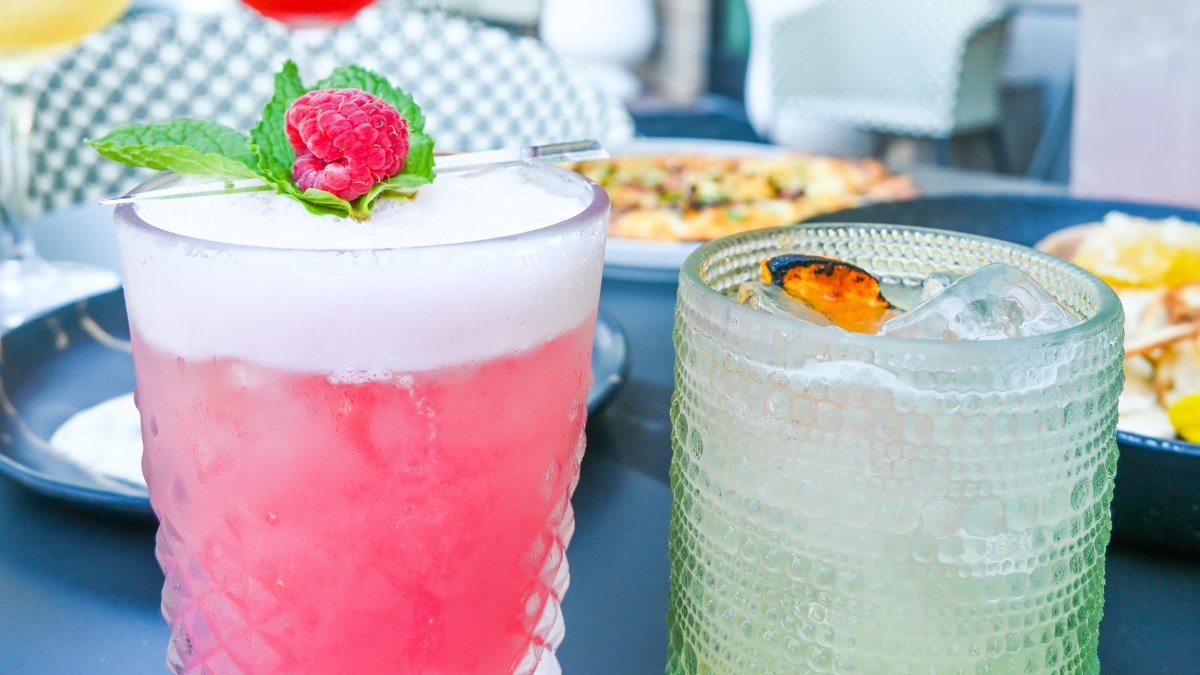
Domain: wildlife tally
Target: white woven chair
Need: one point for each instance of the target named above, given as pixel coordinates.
(480, 87)
(924, 68)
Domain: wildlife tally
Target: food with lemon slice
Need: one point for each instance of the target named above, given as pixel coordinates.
(1154, 266)
(1130, 252)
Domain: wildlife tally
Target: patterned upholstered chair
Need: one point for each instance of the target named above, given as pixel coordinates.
(480, 87)
(922, 68)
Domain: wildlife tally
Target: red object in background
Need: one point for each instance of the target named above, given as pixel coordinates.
(308, 13)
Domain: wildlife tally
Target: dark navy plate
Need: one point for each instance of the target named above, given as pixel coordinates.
(76, 356)
(1157, 498)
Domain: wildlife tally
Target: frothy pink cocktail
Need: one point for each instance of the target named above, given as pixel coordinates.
(411, 524)
(374, 488)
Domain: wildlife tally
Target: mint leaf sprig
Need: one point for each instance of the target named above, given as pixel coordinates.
(206, 148)
(182, 146)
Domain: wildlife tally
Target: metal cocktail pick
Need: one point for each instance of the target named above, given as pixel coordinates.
(570, 151)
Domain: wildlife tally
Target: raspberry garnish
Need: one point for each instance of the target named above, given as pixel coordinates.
(346, 141)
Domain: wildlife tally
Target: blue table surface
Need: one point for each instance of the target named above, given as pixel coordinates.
(79, 591)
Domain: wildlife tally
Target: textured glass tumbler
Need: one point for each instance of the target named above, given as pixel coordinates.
(849, 503)
(362, 460)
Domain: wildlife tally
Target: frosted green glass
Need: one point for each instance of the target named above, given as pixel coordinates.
(859, 504)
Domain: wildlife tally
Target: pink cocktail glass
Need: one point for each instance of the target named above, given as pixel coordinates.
(362, 460)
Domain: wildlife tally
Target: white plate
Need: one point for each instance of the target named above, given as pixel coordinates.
(637, 260)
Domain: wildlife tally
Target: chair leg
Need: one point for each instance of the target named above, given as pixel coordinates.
(879, 145)
(1000, 160)
(1055, 141)
(941, 151)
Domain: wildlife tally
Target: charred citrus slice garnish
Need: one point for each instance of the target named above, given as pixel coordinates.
(845, 293)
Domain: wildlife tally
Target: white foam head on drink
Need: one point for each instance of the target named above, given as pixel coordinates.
(289, 289)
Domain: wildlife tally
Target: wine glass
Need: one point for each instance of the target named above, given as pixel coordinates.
(308, 23)
(32, 33)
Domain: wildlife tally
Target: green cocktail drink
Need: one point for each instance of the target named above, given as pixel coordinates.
(852, 503)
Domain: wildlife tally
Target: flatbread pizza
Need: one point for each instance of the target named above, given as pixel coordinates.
(691, 197)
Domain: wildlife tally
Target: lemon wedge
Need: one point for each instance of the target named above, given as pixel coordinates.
(1185, 417)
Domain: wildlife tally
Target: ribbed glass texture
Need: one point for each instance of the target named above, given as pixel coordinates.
(857, 504)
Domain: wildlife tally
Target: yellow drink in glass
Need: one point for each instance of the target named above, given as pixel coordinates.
(43, 25)
(31, 33)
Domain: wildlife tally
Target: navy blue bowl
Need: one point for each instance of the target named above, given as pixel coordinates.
(1157, 498)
